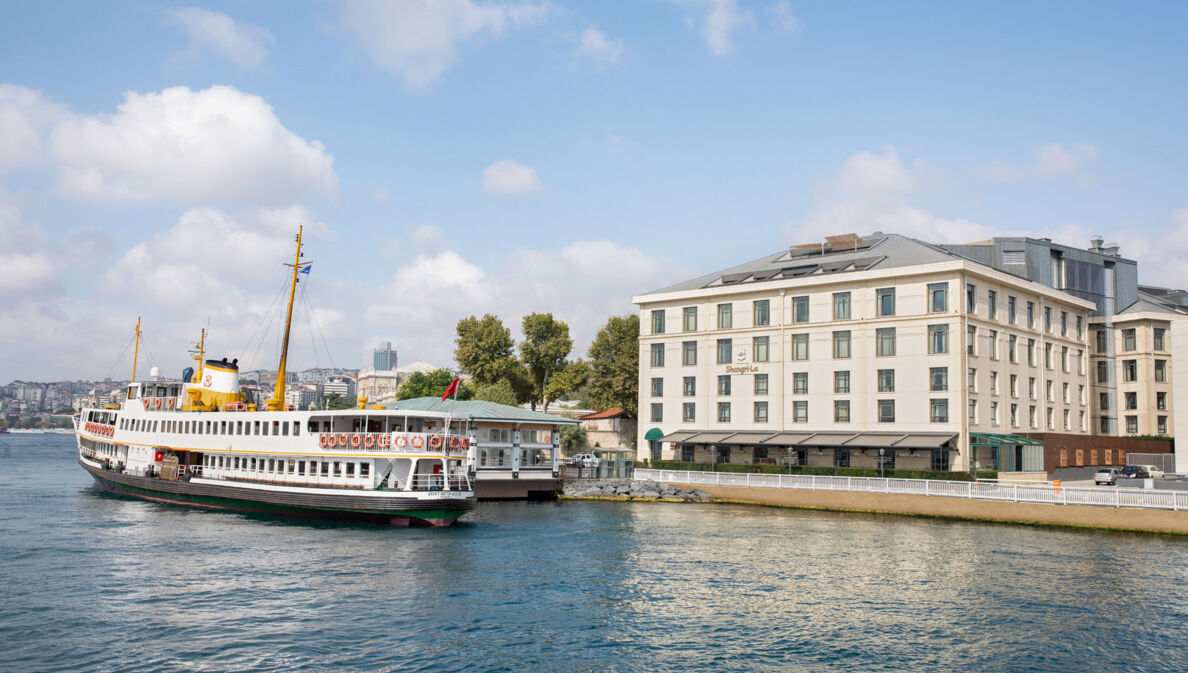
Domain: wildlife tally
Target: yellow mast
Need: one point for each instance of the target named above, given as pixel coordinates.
(136, 349)
(277, 401)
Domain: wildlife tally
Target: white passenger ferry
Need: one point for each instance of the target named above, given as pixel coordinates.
(200, 440)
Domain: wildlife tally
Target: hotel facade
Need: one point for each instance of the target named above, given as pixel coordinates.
(861, 351)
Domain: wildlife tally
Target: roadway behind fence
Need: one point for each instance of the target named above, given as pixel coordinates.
(1049, 494)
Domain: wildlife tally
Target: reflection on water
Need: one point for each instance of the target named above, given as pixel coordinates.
(94, 582)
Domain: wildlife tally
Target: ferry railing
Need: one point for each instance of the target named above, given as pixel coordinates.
(437, 482)
(1050, 494)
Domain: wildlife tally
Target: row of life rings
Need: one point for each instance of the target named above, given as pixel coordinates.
(357, 440)
(158, 402)
(100, 429)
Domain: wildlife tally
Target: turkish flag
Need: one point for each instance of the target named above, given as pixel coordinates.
(159, 455)
(450, 390)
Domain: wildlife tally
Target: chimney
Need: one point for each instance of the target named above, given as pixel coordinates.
(1111, 249)
(1095, 244)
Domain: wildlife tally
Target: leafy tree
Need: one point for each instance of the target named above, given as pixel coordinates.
(433, 383)
(338, 401)
(572, 436)
(484, 348)
(614, 365)
(566, 380)
(500, 392)
(544, 349)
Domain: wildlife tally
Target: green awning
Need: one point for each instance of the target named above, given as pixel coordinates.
(654, 433)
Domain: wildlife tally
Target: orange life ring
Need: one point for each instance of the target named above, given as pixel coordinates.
(323, 440)
(369, 442)
(172, 401)
(146, 403)
(455, 442)
(157, 403)
(418, 441)
(435, 442)
(356, 440)
(383, 441)
(342, 439)
(401, 441)
(331, 441)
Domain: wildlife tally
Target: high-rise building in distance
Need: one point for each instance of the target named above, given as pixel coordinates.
(385, 357)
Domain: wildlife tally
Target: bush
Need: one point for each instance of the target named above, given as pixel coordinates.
(819, 469)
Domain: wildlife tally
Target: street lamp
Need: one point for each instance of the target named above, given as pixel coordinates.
(882, 452)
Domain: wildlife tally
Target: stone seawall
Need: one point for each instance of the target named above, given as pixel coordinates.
(623, 489)
(1123, 518)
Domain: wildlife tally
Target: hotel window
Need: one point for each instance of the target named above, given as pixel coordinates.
(1047, 356)
(1080, 327)
(841, 381)
(761, 412)
(841, 345)
(1161, 401)
(993, 413)
(885, 341)
(938, 339)
(1031, 316)
(1014, 383)
(841, 305)
(1064, 323)
(1011, 310)
(1132, 425)
(971, 340)
(691, 319)
(1080, 361)
(762, 312)
(1129, 342)
(1048, 390)
(800, 309)
(1080, 393)
(760, 346)
(938, 297)
(724, 384)
(991, 303)
(1048, 319)
(841, 411)
(1014, 415)
(800, 383)
(1031, 352)
(973, 411)
(939, 412)
(689, 386)
(724, 348)
(1051, 419)
(761, 384)
(939, 460)
(800, 411)
(1099, 336)
(1103, 401)
(1161, 425)
(1131, 401)
(886, 380)
(1065, 415)
(658, 322)
(657, 387)
(993, 383)
(938, 379)
(1161, 371)
(657, 356)
(972, 382)
(1103, 371)
(723, 412)
(689, 352)
(971, 298)
(1158, 332)
(657, 413)
(992, 344)
(687, 412)
(1129, 370)
(725, 316)
(1064, 392)
(885, 300)
(1012, 348)
(1032, 421)
(886, 411)
(841, 457)
(800, 346)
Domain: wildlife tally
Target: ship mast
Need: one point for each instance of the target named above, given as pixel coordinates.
(135, 349)
(277, 401)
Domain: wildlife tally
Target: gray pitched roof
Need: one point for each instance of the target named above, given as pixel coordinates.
(480, 410)
(885, 251)
(1149, 303)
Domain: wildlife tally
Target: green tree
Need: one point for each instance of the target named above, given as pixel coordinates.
(566, 380)
(484, 348)
(337, 401)
(500, 392)
(614, 365)
(544, 349)
(433, 383)
(572, 436)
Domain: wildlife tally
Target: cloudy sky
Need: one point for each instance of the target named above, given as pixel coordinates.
(457, 157)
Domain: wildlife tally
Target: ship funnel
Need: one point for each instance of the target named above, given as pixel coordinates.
(220, 376)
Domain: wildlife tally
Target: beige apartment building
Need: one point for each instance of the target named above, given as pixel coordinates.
(860, 351)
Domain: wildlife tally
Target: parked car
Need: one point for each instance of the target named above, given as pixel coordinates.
(1155, 472)
(1106, 475)
(1134, 472)
(584, 460)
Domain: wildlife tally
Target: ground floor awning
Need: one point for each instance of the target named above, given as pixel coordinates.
(710, 438)
(828, 439)
(654, 434)
(787, 438)
(927, 441)
(834, 440)
(679, 436)
(749, 437)
(1000, 439)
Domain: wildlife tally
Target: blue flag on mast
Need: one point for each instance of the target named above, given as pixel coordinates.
(305, 269)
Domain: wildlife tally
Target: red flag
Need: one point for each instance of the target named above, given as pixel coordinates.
(450, 390)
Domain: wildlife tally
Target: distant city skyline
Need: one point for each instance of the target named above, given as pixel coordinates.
(460, 157)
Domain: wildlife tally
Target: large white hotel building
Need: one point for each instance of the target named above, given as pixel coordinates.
(885, 348)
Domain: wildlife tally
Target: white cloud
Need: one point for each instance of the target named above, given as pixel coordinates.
(25, 118)
(782, 18)
(25, 269)
(217, 145)
(429, 238)
(218, 33)
(510, 177)
(1051, 161)
(419, 39)
(595, 45)
(716, 20)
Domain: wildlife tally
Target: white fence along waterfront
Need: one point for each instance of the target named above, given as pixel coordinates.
(1046, 494)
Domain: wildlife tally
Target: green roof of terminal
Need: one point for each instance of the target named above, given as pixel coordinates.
(479, 410)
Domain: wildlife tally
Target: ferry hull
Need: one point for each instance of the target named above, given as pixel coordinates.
(395, 510)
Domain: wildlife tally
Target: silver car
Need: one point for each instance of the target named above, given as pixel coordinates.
(1106, 475)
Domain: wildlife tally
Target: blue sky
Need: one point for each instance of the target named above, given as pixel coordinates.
(459, 157)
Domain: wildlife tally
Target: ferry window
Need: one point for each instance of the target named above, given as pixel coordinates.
(236, 462)
(364, 469)
(276, 428)
(325, 426)
(285, 429)
(265, 433)
(272, 464)
(253, 464)
(257, 430)
(350, 469)
(221, 461)
(325, 468)
(296, 428)
(337, 468)
(209, 429)
(301, 467)
(155, 426)
(292, 464)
